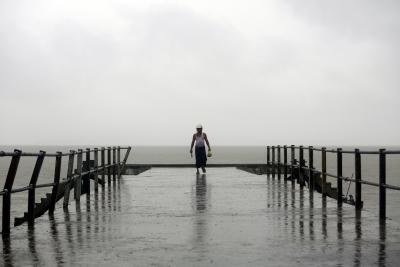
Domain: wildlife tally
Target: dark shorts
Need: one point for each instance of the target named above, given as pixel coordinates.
(201, 156)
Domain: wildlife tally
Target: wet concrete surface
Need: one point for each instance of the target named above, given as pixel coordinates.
(171, 217)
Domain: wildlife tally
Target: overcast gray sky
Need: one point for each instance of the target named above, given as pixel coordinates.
(252, 72)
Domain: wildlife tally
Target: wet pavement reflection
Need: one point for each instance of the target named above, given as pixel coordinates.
(227, 217)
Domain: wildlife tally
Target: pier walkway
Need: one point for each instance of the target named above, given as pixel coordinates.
(228, 217)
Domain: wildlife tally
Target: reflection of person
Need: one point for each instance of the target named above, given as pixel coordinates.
(200, 139)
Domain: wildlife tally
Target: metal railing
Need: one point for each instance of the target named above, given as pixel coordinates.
(275, 167)
(113, 167)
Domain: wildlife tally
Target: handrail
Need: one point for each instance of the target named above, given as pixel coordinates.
(72, 177)
(297, 167)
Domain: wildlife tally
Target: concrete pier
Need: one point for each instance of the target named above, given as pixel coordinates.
(228, 217)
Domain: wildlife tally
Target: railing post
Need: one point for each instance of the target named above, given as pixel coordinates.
(301, 164)
(358, 178)
(285, 169)
(32, 189)
(114, 162)
(268, 160)
(311, 169)
(109, 164)
(279, 161)
(292, 159)
(12, 171)
(323, 174)
(56, 183)
(125, 159)
(119, 162)
(339, 177)
(382, 183)
(96, 169)
(78, 180)
(86, 178)
(273, 161)
(103, 170)
(70, 174)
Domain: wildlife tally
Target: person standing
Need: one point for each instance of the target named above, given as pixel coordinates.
(200, 140)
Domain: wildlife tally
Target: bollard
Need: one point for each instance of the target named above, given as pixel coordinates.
(69, 178)
(358, 178)
(382, 183)
(339, 177)
(323, 174)
(311, 169)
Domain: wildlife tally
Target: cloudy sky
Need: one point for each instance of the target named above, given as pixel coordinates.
(252, 72)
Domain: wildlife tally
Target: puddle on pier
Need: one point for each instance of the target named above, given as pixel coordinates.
(171, 217)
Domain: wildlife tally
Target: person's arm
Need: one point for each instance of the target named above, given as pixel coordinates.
(208, 143)
(191, 146)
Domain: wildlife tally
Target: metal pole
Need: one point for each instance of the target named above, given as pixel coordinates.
(69, 178)
(78, 180)
(12, 171)
(285, 170)
(382, 182)
(292, 157)
(301, 164)
(96, 169)
(358, 178)
(279, 162)
(31, 192)
(339, 177)
(323, 174)
(103, 170)
(268, 160)
(273, 161)
(56, 183)
(311, 169)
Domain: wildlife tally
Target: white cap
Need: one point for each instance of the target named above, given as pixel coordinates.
(199, 126)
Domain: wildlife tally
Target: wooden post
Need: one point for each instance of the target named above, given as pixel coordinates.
(382, 183)
(96, 170)
(103, 172)
(323, 174)
(114, 162)
(56, 183)
(311, 169)
(78, 180)
(358, 178)
(279, 162)
(69, 178)
(268, 160)
(119, 162)
(292, 159)
(109, 164)
(86, 178)
(273, 161)
(32, 189)
(301, 164)
(339, 176)
(285, 170)
(12, 171)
